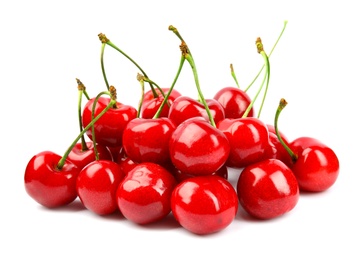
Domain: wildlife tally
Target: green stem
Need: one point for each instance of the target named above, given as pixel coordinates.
(103, 66)
(282, 104)
(270, 53)
(81, 90)
(171, 88)
(141, 81)
(267, 65)
(64, 157)
(233, 74)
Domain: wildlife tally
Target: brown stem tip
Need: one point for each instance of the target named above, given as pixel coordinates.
(140, 77)
(103, 38)
(259, 45)
(112, 90)
(80, 85)
(184, 49)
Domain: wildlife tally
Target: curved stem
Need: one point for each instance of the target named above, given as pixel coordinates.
(267, 65)
(64, 157)
(282, 104)
(81, 89)
(233, 74)
(103, 66)
(270, 53)
(141, 81)
(171, 88)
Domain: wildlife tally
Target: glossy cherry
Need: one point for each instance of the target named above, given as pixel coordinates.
(267, 189)
(204, 204)
(151, 104)
(110, 127)
(144, 195)
(234, 101)
(248, 140)
(82, 157)
(185, 107)
(198, 148)
(96, 186)
(47, 184)
(181, 176)
(316, 166)
(147, 140)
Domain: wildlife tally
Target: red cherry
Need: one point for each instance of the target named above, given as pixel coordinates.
(267, 189)
(185, 107)
(234, 101)
(110, 127)
(181, 176)
(204, 204)
(276, 150)
(97, 184)
(316, 167)
(151, 104)
(144, 195)
(248, 139)
(48, 185)
(147, 140)
(83, 157)
(198, 148)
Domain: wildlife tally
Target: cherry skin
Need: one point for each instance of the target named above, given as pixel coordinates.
(96, 186)
(147, 140)
(110, 127)
(234, 101)
(144, 195)
(185, 107)
(276, 150)
(198, 148)
(248, 139)
(204, 204)
(267, 189)
(151, 104)
(83, 157)
(181, 176)
(48, 185)
(317, 166)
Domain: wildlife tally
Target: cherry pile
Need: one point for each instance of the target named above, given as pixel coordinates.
(172, 153)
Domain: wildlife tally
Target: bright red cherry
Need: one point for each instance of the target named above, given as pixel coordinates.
(181, 176)
(248, 140)
(151, 104)
(144, 195)
(147, 140)
(47, 184)
(110, 127)
(204, 204)
(316, 166)
(267, 189)
(97, 184)
(198, 148)
(185, 107)
(234, 101)
(83, 157)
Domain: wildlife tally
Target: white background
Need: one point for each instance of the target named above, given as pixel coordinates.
(317, 67)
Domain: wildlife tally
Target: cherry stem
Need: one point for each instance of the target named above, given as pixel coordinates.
(64, 157)
(233, 74)
(81, 89)
(282, 104)
(140, 78)
(105, 40)
(103, 66)
(270, 53)
(157, 114)
(267, 65)
(266, 75)
(186, 53)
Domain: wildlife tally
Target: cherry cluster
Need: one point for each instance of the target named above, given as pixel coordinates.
(172, 154)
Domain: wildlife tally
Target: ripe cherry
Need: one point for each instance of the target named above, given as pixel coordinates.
(204, 204)
(81, 157)
(234, 101)
(198, 148)
(96, 186)
(110, 127)
(267, 189)
(48, 183)
(144, 194)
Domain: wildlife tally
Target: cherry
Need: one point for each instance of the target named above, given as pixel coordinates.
(315, 165)
(181, 176)
(96, 186)
(81, 157)
(267, 189)
(109, 129)
(185, 107)
(248, 140)
(276, 150)
(49, 184)
(144, 194)
(147, 140)
(198, 148)
(234, 101)
(204, 204)
(151, 104)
